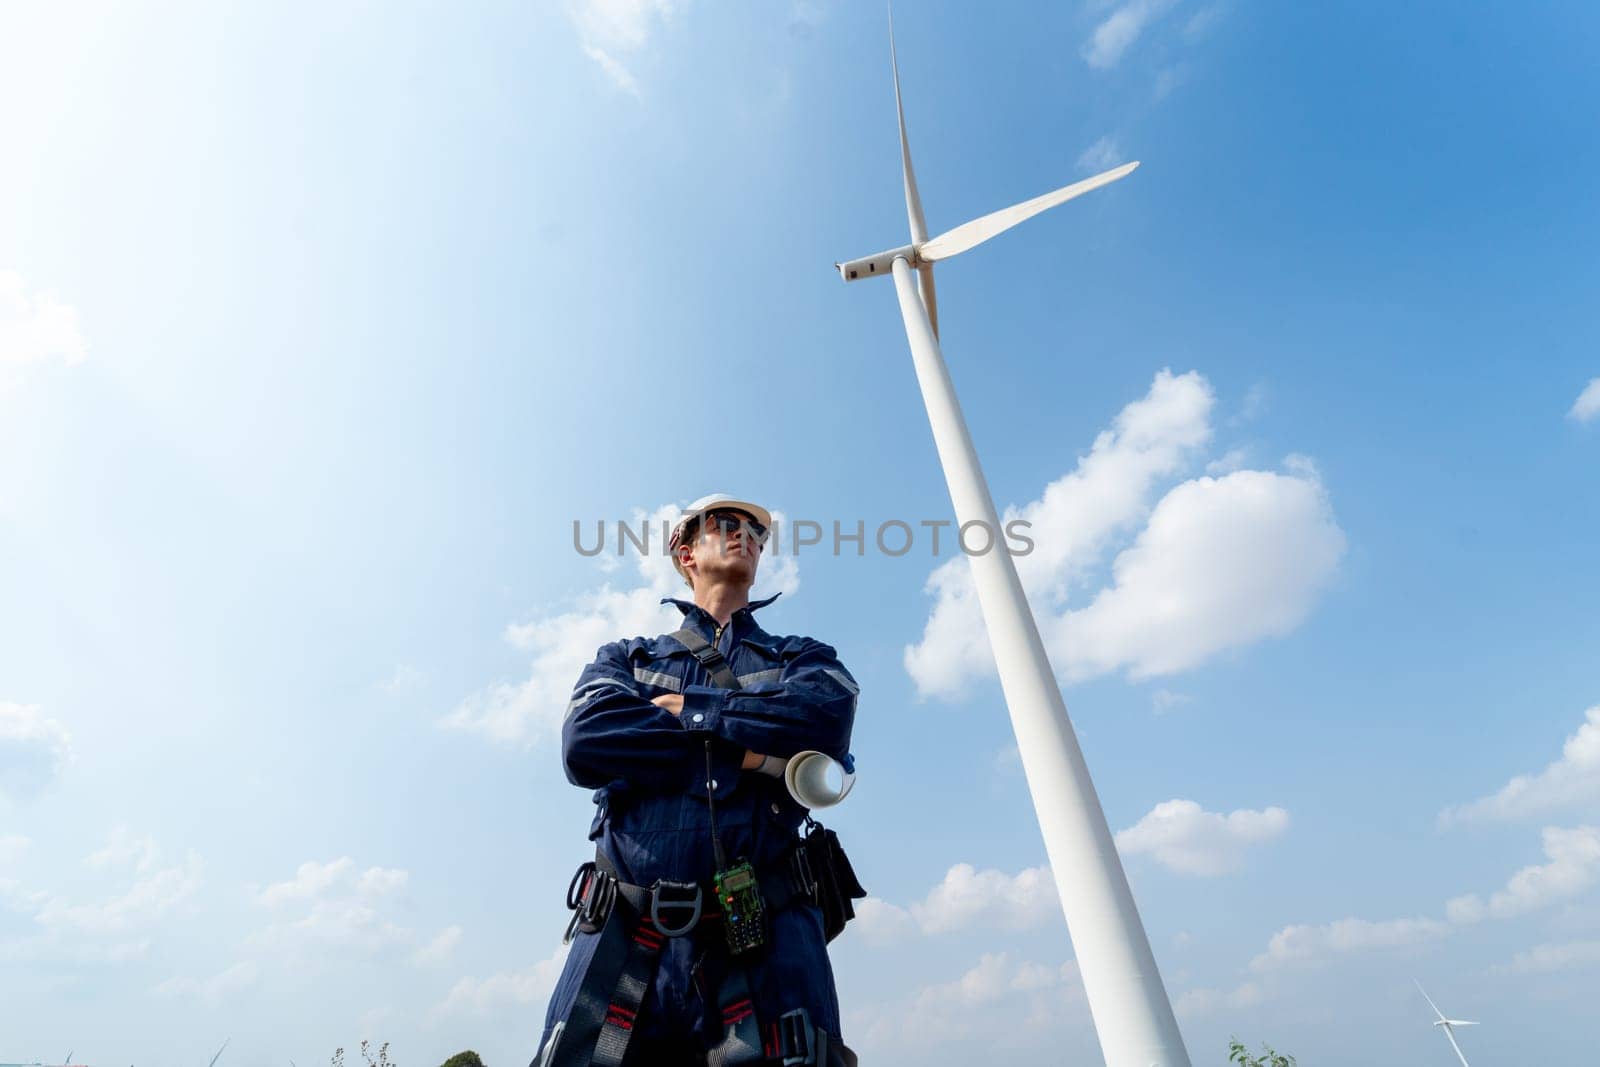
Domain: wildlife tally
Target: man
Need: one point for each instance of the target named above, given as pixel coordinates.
(684, 738)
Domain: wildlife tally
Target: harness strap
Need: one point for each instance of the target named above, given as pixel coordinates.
(741, 1031)
(638, 970)
(601, 1021)
(709, 657)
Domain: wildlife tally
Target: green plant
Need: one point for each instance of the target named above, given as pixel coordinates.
(1237, 1053)
(468, 1058)
(382, 1059)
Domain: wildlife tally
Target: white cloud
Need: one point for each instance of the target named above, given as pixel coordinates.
(966, 897)
(315, 880)
(1074, 522)
(1036, 997)
(154, 894)
(1220, 563)
(51, 947)
(35, 328)
(439, 949)
(1569, 782)
(1545, 959)
(12, 848)
(405, 679)
(311, 880)
(1102, 155)
(620, 75)
(612, 28)
(507, 990)
(1119, 30)
(879, 922)
(125, 850)
(214, 990)
(1587, 406)
(1184, 837)
(1230, 461)
(1205, 20)
(1164, 700)
(1574, 866)
(564, 643)
(1198, 1002)
(1316, 944)
(339, 907)
(1223, 563)
(33, 750)
(380, 881)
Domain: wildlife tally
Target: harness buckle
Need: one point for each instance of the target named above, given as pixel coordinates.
(797, 1039)
(675, 896)
(800, 870)
(591, 895)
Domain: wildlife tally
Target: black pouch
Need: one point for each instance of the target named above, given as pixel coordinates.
(836, 880)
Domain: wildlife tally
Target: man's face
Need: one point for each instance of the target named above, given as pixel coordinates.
(727, 547)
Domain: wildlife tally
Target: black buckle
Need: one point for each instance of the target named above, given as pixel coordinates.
(800, 870)
(590, 896)
(796, 1039)
(681, 896)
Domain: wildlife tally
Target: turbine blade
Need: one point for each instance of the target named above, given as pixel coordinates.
(218, 1056)
(1463, 1022)
(970, 234)
(929, 301)
(1431, 1004)
(919, 225)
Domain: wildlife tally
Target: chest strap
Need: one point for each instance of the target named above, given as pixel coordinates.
(709, 657)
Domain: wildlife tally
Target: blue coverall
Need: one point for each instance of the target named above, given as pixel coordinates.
(648, 768)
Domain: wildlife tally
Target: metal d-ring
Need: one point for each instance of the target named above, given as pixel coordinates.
(666, 895)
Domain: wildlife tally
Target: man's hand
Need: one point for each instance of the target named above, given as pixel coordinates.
(673, 702)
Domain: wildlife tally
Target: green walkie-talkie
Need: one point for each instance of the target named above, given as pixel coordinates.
(743, 912)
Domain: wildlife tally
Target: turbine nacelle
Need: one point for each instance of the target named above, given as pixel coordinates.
(926, 252)
(881, 263)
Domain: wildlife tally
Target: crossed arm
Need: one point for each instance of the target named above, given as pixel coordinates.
(611, 733)
(673, 702)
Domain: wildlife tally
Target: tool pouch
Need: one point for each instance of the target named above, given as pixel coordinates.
(836, 881)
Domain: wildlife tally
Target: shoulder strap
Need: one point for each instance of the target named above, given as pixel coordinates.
(709, 658)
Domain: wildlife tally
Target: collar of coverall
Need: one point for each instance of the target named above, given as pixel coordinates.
(741, 621)
(687, 607)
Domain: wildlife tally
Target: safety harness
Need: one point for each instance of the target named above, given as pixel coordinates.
(634, 923)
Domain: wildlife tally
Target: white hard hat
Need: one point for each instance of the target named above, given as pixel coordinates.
(713, 502)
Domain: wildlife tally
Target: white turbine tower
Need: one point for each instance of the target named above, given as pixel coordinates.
(1132, 1015)
(1447, 1025)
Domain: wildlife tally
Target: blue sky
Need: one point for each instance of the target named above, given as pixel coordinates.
(320, 326)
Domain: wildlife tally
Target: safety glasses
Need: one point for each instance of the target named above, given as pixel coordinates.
(729, 521)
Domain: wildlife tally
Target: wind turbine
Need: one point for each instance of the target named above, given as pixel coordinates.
(1132, 1015)
(1447, 1025)
(218, 1056)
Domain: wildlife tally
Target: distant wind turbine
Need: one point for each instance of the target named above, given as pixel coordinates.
(1447, 1025)
(1132, 1015)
